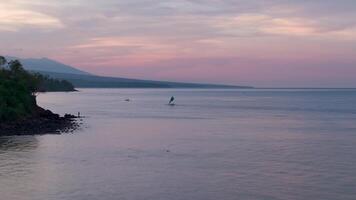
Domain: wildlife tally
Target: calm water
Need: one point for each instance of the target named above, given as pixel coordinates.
(214, 144)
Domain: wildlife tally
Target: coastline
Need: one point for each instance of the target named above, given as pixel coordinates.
(42, 122)
(19, 112)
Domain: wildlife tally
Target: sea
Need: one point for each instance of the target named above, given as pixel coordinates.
(213, 144)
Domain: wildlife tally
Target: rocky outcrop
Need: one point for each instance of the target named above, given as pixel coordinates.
(41, 122)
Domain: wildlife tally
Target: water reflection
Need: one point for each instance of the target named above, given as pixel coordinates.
(18, 143)
(15, 155)
(212, 145)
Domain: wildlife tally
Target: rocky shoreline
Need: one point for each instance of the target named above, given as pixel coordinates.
(42, 122)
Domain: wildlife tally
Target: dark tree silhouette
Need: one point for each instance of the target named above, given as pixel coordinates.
(18, 88)
(2, 61)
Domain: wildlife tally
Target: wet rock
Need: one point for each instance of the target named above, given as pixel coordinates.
(41, 122)
(70, 116)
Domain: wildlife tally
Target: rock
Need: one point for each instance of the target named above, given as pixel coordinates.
(41, 122)
(70, 116)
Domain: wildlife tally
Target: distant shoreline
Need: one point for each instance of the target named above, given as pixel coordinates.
(242, 88)
(307, 88)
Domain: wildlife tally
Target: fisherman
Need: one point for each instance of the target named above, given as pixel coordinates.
(171, 100)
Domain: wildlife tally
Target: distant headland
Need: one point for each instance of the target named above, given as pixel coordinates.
(82, 79)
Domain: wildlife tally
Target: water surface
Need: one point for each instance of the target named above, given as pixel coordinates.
(214, 144)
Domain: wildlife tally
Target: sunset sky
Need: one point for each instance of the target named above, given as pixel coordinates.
(274, 43)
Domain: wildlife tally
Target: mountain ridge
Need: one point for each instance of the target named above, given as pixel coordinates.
(82, 79)
(94, 81)
(46, 64)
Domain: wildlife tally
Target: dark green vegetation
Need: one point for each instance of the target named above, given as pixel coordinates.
(47, 84)
(18, 90)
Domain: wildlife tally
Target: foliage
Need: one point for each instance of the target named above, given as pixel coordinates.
(48, 84)
(2, 61)
(18, 89)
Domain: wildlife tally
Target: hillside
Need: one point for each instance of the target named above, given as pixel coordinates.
(92, 81)
(82, 79)
(45, 64)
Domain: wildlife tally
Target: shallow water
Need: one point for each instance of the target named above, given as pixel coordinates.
(214, 144)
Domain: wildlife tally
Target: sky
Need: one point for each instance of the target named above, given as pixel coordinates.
(274, 43)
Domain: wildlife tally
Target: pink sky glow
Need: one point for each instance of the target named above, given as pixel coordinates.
(274, 44)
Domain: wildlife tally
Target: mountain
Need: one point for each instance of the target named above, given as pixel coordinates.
(82, 79)
(47, 65)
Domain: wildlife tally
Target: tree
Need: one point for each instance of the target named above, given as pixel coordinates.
(3, 61)
(18, 88)
(16, 66)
